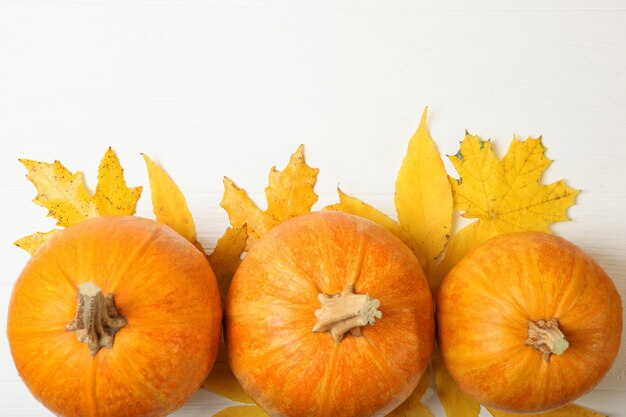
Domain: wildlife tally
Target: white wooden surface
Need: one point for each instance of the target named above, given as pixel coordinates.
(211, 88)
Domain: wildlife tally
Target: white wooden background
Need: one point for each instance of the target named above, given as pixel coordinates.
(216, 87)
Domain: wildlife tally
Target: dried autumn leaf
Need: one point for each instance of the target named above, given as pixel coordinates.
(242, 211)
(290, 193)
(222, 381)
(226, 256)
(455, 402)
(112, 196)
(412, 407)
(62, 192)
(242, 411)
(352, 205)
(570, 410)
(32, 242)
(169, 204)
(68, 200)
(423, 197)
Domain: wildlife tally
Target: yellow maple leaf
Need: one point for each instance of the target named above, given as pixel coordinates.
(290, 193)
(222, 381)
(508, 193)
(242, 211)
(226, 256)
(423, 197)
(62, 192)
(242, 411)
(570, 410)
(412, 406)
(455, 402)
(112, 196)
(32, 242)
(69, 201)
(169, 204)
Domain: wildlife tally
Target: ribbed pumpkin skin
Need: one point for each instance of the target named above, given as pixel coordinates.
(291, 371)
(162, 285)
(484, 306)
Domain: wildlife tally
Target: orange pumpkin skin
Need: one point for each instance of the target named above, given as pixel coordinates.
(164, 288)
(291, 371)
(484, 308)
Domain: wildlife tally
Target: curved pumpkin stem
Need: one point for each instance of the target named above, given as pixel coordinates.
(97, 319)
(345, 312)
(545, 336)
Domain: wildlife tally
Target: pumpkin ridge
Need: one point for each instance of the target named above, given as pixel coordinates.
(152, 390)
(390, 368)
(298, 274)
(325, 383)
(566, 287)
(361, 253)
(38, 331)
(66, 277)
(270, 357)
(325, 259)
(131, 258)
(92, 393)
(52, 372)
(287, 295)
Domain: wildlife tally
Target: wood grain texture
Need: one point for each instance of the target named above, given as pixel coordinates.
(211, 87)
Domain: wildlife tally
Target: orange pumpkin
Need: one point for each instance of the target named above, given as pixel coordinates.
(329, 315)
(142, 350)
(528, 322)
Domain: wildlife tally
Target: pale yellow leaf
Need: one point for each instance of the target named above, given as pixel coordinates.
(423, 197)
(455, 402)
(352, 205)
(226, 256)
(169, 204)
(64, 194)
(458, 246)
(570, 410)
(241, 210)
(412, 407)
(222, 381)
(242, 411)
(508, 193)
(32, 242)
(291, 192)
(112, 196)
(415, 410)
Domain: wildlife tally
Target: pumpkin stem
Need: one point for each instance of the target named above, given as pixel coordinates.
(97, 319)
(545, 336)
(345, 312)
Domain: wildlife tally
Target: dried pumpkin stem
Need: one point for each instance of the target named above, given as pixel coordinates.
(97, 319)
(345, 312)
(545, 336)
